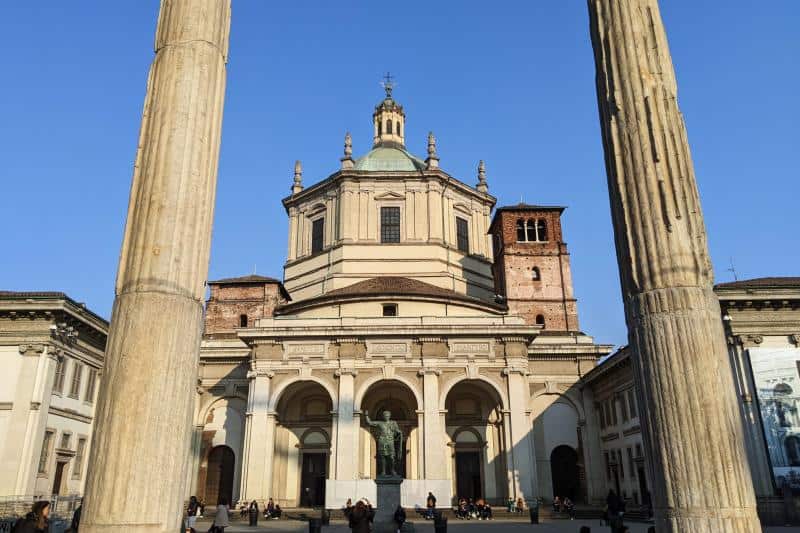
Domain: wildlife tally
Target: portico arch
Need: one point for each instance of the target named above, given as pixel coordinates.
(281, 388)
(368, 384)
(399, 398)
(481, 382)
(301, 460)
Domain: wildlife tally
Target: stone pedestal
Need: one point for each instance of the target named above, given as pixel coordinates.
(387, 502)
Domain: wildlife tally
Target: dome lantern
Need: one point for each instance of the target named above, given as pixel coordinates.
(389, 119)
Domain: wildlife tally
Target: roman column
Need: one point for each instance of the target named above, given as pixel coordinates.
(139, 457)
(701, 479)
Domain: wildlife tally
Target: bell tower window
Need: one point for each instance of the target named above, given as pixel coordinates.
(317, 235)
(521, 230)
(390, 224)
(540, 320)
(389, 309)
(462, 235)
(541, 230)
(536, 275)
(389, 126)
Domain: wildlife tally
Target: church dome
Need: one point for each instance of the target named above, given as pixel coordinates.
(389, 158)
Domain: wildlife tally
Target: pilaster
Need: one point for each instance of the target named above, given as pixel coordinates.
(521, 444)
(346, 431)
(258, 452)
(433, 426)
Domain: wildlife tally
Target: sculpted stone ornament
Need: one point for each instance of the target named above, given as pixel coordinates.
(389, 438)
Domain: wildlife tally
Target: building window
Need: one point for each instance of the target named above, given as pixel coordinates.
(638, 450)
(521, 231)
(317, 235)
(623, 405)
(602, 416)
(65, 440)
(242, 321)
(612, 408)
(44, 457)
(380, 127)
(541, 230)
(75, 386)
(462, 234)
(632, 403)
(389, 126)
(91, 383)
(621, 465)
(398, 130)
(58, 382)
(631, 468)
(608, 465)
(536, 275)
(389, 309)
(540, 320)
(390, 224)
(80, 451)
(530, 230)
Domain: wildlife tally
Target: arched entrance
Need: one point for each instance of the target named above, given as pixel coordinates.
(564, 469)
(302, 445)
(474, 423)
(397, 398)
(219, 477)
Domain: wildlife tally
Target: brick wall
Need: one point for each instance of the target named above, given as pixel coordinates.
(229, 302)
(551, 295)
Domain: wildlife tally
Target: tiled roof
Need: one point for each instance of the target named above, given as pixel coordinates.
(762, 283)
(252, 278)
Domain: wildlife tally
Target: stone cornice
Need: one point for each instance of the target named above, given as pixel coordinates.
(69, 413)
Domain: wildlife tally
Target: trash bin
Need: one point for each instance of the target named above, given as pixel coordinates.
(315, 525)
(534, 512)
(440, 524)
(326, 517)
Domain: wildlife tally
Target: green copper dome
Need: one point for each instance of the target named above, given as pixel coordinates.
(389, 158)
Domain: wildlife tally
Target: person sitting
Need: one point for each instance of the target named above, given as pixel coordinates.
(569, 507)
(430, 503)
(277, 512)
(461, 510)
(556, 504)
(242, 511)
(520, 505)
(471, 510)
(487, 511)
(269, 510)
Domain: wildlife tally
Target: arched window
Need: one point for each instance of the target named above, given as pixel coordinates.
(540, 320)
(380, 127)
(398, 129)
(541, 230)
(389, 126)
(530, 227)
(520, 230)
(535, 274)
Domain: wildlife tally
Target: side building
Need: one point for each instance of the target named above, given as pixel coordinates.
(761, 318)
(404, 290)
(51, 353)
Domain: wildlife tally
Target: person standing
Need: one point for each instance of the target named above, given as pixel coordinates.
(192, 511)
(359, 518)
(76, 518)
(221, 520)
(36, 521)
(252, 512)
(400, 517)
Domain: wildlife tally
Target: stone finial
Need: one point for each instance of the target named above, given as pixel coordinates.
(433, 158)
(482, 185)
(297, 186)
(347, 160)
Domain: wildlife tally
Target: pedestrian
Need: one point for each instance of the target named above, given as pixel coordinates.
(191, 513)
(269, 510)
(76, 517)
(277, 512)
(400, 517)
(359, 518)
(253, 513)
(569, 507)
(614, 512)
(221, 520)
(520, 505)
(556, 504)
(431, 505)
(36, 521)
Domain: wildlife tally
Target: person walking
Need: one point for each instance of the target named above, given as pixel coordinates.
(252, 512)
(192, 510)
(76, 518)
(221, 520)
(36, 521)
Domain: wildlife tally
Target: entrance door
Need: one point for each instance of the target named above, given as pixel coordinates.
(312, 483)
(58, 478)
(468, 475)
(565, 472)
(219, 479)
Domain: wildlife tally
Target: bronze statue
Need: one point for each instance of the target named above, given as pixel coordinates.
(390, 444)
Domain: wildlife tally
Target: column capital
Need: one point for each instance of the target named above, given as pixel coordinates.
(32, 350)
(509, 370)
(339, 372)
(252, 374)
(429, 371)
(749, 341)
(795, 339)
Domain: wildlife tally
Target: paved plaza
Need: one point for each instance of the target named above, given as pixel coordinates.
(557, 526)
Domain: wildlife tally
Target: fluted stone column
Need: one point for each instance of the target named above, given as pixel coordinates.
(143, 422)
(701, 479)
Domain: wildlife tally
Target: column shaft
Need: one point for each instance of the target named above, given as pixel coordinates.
(346, 466)
(691, 428)
(520, 432)
(435, 457)
(144, 411)
(255, 484)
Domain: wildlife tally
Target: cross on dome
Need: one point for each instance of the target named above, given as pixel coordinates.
(388, 84)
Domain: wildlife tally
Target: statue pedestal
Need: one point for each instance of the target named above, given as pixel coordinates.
(388, 500)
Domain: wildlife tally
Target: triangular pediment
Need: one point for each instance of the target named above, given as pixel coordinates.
(390, 195)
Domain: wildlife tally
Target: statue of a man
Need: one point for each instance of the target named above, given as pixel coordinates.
(390, 443)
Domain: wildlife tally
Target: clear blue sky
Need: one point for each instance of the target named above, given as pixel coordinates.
(508, 82)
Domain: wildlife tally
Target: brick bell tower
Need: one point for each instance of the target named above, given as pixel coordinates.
(531, 266)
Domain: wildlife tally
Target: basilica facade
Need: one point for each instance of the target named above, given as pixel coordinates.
(407, 290)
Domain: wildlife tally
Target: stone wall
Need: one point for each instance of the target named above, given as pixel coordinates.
(229, 302)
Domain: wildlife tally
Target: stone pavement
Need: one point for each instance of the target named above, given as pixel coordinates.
(454, 526)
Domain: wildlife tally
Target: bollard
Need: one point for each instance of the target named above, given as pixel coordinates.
(440, 523)
(315, 525)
